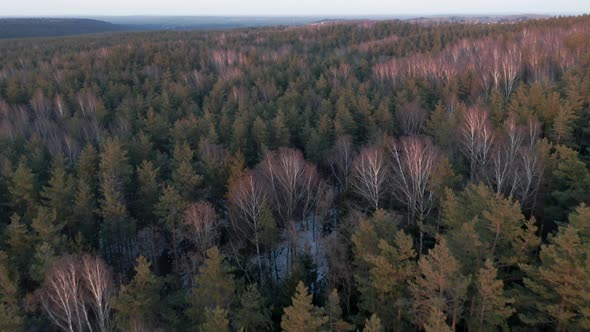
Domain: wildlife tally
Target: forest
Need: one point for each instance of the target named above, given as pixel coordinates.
(339, 176)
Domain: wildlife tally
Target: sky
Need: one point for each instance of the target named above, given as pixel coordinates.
(288, 7)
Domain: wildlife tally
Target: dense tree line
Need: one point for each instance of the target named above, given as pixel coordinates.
(51, 27)
(375, 176)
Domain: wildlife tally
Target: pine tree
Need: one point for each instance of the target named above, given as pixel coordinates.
(10, 311)
(47, 227)
(391, 271)
(20, 245)
(384, 264)
(280, 132)
(373, 324)
(437, 322)
(302, 315)
(260, 134)
(87, 167)
(84, 212)
(497, 229)
(563, 124)
(492, 307)
(117, 230)
(440, 126)
(252, 314)
(439, 287)
(139, 301)
(114, 163)
(22, 190)
(149, 190)
(343, 121)
(215, 321)
(115, 172)
(184, 176)
(569, 183)
(580, 219)
(170, 210)
(59, 191)
(42, 259)
(560, 285)
(334, 313)
(215, 285)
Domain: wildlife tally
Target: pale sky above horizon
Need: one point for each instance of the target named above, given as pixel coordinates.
(288, 7)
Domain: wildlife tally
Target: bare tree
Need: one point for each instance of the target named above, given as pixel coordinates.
(504, 158)
(62, 296)
(413, 160)
(477, 137)
(340, 160)
(410, 117)
(98, 283)
(511, 67)
(293, 186)
(291, 183)
(368, 175)
(481, 57)
(201, 224)
(247, 199)
(531, 165)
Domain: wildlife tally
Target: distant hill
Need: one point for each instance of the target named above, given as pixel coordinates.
(206, 22)
(50, 27)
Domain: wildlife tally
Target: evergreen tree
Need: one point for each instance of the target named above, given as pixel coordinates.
(437, 322)
(373, 324)
(302, 315)
(139, 302)
(563, 123)
(114, 164)
(252, 313)
(117, 230)
(260, 135)
(497, 229)
(22, 190)
(492, 307)
(10, 311)
(19, 246)
(280, 133)
(384, 264)
(215, 286)
(47, 227)
(569, 184)
(215, 321)
(170, 210)
(560, 285)
(334, 313)
(42, 259)
(59, 191)
(439, 287)
(184, 176)
(87, 167)
(84, 212)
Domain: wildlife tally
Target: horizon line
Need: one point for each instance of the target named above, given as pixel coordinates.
(253, 15)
